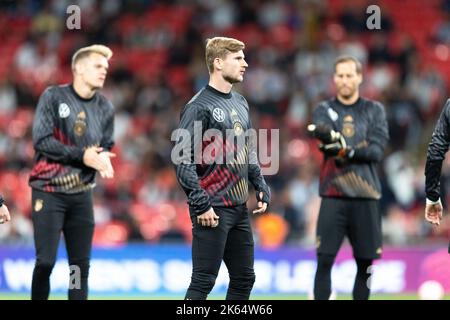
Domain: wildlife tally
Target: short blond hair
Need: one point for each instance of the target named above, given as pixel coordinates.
(86, 51)
(219, 47)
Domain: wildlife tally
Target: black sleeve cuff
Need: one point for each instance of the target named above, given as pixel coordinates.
(78, 155)
(201, 210)
(266, 196)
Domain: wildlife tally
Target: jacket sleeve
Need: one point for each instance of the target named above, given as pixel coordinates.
(254, 172)
(107, 142)
(44, 130)
(437, 148)
(322, 116)
(377, 138)
(192, 117)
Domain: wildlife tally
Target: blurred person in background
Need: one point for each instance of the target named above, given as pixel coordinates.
(72, 136)
(353, 133)
(437, 148)
(4, 212)
(217, 191)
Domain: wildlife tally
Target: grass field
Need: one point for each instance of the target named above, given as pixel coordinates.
(16, 296)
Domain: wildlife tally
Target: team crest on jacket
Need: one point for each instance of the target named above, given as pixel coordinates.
(63, 110)
(348, 127)
(38, 205)
(237, 126)
(79, 128)
(80, 124)
(218, 115)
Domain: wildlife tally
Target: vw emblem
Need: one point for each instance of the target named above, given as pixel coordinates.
(64, 110)
(218, 115)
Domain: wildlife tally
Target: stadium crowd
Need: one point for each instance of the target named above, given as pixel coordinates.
(158, 64)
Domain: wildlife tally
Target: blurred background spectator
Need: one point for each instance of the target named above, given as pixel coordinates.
(158, 64)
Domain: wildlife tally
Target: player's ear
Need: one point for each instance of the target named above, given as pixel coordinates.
(360, 78)
(218, 63)
(335, 77)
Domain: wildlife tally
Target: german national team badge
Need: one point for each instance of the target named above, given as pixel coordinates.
(237, 126)
(348, 128)
(80, 127)
(80, 124)
(379, 251)
(38, 205)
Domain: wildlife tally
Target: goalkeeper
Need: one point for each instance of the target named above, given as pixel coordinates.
(352, 133)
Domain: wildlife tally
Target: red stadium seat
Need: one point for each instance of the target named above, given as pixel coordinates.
(113, 233)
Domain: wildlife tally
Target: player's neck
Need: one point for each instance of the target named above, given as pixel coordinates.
(348, 101)
(82, 89)
(220, 84)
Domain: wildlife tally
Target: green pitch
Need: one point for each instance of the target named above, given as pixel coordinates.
(17, 296)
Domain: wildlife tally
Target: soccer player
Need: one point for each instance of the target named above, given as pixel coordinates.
(353, 133)
(72, 137)
(4, 212)
(437, 149)
(217, 190)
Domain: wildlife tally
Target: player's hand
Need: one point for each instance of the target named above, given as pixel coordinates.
(338, 149)
(433, 212)
(208, 219)
(332, 142)
(109, 172)
(93, 159)
(4, 214)
(262, 206)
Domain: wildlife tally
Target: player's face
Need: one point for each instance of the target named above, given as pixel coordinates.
(347, 79)
(233, 67)
(94, 70)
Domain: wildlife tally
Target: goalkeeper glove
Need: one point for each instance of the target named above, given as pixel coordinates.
(324, 133)
(333, 142)
(337, 149)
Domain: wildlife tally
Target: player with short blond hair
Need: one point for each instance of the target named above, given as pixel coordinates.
(72, 137)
